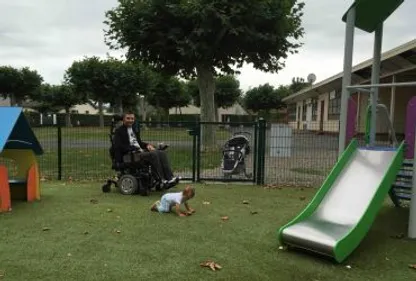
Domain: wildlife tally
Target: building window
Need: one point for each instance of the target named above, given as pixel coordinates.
(292, 112)
(334, 107)
(304, 109)
(314, 109)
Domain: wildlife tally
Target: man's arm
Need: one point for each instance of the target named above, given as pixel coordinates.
(142, 144)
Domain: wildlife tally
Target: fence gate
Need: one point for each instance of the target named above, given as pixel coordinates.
(238, 154)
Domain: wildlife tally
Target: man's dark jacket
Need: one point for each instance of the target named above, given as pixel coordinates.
(122, 142)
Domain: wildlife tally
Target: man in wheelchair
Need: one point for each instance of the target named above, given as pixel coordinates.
(141, 165)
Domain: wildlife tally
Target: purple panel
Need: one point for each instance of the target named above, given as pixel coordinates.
(410, 128)
(351, 120)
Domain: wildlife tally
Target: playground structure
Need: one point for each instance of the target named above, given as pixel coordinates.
(344, 208)
(19, 144)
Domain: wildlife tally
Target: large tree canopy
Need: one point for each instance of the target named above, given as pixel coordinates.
(197, 37)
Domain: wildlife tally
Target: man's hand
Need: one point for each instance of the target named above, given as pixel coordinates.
(150, 147)
(182, 215)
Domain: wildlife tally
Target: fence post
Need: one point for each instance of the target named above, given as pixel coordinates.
(198, 152)
(255, 150)
(261, 151)
(59, 152)
(194, 133)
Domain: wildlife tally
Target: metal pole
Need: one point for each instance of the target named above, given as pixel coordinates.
(375, 79)
(392, 101)
(402, 84)
(346, 78)
(412, 215)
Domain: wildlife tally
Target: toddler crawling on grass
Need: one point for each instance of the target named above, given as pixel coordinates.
(175, 199)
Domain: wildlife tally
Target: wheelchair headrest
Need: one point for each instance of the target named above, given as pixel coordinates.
(117, 117)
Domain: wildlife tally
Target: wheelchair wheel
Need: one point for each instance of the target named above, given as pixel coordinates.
(128, 185)
(106, 188)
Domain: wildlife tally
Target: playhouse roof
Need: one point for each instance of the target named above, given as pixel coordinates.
(15, 131)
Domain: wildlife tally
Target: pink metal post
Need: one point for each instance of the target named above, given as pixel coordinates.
(410, 127)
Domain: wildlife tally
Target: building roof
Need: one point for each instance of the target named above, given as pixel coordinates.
(370, 13)
(398, 60)
(15, 132)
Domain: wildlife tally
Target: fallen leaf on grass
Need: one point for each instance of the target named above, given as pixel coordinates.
(302, 198)
(109, 210)
(94, 201)
(224, 218)
(69, 255)
(206, 202)
(117, 231)
(245, 202)
(1, 274)
(46, 228)
(86, 232)
(211, 264)
(412, 266)
(253, 212)
(348, 266)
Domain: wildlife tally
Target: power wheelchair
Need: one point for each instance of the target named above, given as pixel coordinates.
(134, 175)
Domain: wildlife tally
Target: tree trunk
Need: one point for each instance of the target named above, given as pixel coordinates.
(143, 113)
(13, 100)
(206, 86)
(216, 114)
(68, 117)
(101, 113)
(120, 105)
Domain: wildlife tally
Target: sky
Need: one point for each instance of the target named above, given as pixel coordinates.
(49, 35)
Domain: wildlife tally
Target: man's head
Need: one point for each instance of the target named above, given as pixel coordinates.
(128, 119)
(188, 192)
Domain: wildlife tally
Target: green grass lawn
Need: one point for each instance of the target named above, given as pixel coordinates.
(66, 237)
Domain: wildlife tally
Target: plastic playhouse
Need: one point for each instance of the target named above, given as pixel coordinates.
(19, 144)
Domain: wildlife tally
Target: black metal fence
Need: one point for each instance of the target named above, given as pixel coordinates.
(280, 154)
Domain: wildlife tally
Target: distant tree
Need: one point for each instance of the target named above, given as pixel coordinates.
(265, 98)
(59, 97)
(227, 92)
(202, 37)
(168, 93)
(298, 84)
(19, 84)
(109, 81)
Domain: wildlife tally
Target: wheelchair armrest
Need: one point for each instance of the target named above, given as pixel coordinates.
(162, 146)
